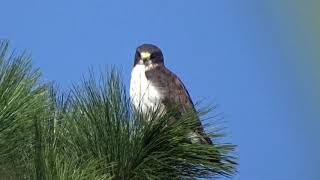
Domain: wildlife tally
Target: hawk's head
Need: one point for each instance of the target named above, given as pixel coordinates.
(148, 54)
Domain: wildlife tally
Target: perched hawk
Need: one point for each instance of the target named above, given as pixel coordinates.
(153, 85)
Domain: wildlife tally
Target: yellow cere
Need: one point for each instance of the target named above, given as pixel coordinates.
(145, 55)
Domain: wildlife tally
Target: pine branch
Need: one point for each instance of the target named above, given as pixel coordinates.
(102, 125)
(21, 100)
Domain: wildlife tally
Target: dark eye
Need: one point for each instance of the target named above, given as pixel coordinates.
(153, 55)
(137, 54)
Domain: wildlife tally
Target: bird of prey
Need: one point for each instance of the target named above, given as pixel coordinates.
(153, 85)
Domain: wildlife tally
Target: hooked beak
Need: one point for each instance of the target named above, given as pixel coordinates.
(145, 56)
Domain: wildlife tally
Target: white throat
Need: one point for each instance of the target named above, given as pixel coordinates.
(143, 94)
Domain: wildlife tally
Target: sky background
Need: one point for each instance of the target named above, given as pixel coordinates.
(259, 60)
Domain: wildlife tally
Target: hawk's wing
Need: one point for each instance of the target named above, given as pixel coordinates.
(174, 93)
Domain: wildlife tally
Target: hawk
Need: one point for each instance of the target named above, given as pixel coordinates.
(153, 85)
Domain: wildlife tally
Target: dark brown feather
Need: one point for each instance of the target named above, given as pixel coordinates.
(174, 93)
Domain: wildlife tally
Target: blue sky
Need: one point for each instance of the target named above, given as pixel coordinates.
(240, 55)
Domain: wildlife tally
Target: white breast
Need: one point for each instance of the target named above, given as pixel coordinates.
(143, 94)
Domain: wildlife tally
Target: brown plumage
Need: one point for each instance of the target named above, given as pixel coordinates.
(175, 93)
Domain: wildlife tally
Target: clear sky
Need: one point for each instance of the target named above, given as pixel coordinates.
(258, 60)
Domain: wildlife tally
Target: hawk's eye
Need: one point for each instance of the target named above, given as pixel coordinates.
(153, 55)
(137, 54)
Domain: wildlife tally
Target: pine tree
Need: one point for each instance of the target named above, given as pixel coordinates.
(92, 132)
